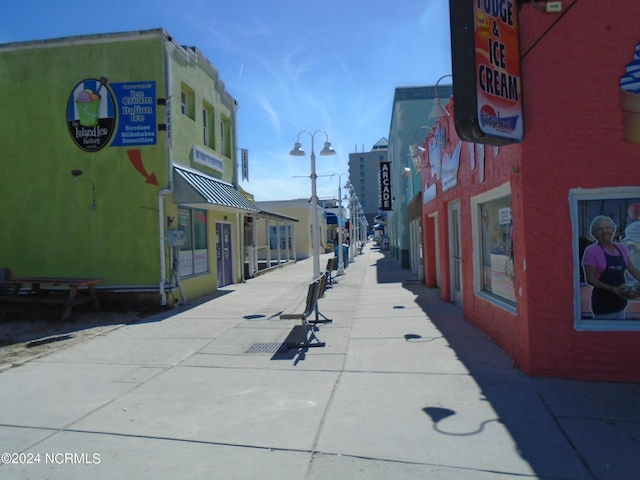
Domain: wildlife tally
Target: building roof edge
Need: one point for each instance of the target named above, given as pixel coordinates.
(86, 39)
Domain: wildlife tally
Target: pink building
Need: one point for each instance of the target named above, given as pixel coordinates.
(506, 227)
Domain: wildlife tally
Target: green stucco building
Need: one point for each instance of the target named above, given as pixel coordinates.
(119, 155)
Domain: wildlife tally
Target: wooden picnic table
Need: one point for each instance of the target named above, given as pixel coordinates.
(39, 290)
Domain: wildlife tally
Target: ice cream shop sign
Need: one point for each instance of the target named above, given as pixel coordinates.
(487, 85)
(98, 111)
(91, 114)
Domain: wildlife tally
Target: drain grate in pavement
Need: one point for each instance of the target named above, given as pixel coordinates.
(267, 348)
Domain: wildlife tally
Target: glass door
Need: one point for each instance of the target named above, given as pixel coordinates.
(224, 255)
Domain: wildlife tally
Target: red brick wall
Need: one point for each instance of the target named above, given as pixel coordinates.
(573, 122)
(573, 139)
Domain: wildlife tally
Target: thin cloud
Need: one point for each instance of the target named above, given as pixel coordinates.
(271, 112)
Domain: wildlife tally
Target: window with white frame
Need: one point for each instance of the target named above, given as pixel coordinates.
(282, 232)
(184, 102)
(205, 127)
(208, 134)
(493, 246)
(187, 99)
(194, 255)
(606, 226)
(225, 136)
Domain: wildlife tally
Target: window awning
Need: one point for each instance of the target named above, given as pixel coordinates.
(275, 216)
(202, 191)
(332, 219)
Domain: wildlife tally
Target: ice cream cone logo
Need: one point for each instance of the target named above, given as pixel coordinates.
(91, 114)
(630, 99)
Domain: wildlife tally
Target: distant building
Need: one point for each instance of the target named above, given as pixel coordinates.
(298, 233)
(411, 106)
(364, 169)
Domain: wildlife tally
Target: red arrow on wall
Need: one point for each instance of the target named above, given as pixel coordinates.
(135, 156)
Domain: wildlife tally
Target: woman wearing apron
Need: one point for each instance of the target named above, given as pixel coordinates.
(605, 263)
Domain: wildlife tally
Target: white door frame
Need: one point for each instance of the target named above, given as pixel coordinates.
(455, 252)
(434, 216)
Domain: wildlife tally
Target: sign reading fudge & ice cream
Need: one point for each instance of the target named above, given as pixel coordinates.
(487, 79)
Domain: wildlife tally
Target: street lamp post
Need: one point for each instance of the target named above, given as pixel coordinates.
(360, 228)
(352, 218)
(340, 239)
(364, 224)
(298, 152)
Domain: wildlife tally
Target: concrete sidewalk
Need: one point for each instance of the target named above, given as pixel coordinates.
(404, 389)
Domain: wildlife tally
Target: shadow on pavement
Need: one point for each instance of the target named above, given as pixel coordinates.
(36, 324)
(561, 428)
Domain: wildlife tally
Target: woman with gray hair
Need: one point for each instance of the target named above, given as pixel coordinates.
(605, 263)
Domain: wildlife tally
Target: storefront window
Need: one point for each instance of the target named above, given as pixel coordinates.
(194, 255)
(285, 237)
(607, 261)
(496, 248)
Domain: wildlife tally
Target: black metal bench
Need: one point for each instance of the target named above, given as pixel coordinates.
(310, 339)
(332, 264)
(323, 284)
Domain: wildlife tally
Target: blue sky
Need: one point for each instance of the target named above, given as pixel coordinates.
(331, 65)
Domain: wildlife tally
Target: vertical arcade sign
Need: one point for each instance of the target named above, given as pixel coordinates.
(385, 185)
(487, 87)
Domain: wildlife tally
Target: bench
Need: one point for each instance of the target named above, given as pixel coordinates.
(65, 291)
(310, 339)
(332, 264)
(323, 284)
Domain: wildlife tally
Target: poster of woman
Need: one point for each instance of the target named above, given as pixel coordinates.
(609, 259)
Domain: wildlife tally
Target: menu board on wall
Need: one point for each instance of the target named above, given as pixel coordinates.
(136, 103)
(487, 81)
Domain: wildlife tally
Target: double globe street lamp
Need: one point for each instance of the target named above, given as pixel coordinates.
(315, 232)
(341, 259)
(353, 201)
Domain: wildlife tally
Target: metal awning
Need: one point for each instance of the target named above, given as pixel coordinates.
(202, 191)
(275, 216)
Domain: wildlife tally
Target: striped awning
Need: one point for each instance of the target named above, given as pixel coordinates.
(196, 189)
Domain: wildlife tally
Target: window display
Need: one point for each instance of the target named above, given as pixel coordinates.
(608, 259)
(194, 256)
(496, 246)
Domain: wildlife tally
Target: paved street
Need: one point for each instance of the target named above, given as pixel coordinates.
(405, 388)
